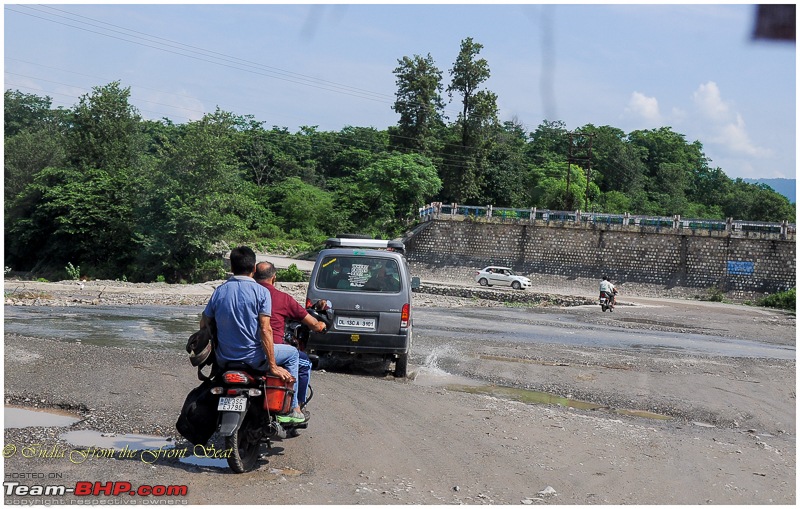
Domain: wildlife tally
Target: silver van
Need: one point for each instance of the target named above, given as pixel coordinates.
(368, 284)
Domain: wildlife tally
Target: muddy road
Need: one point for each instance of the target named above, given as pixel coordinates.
(653, 404)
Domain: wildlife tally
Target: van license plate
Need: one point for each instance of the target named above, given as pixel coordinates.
(231, 404)
(345, 322)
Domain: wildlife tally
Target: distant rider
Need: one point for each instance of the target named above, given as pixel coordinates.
(608, 289)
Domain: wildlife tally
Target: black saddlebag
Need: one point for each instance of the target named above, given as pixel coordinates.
(198, 419)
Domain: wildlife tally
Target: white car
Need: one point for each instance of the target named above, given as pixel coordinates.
(501, 276)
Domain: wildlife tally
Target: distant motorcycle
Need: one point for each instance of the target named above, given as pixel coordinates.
(607, 301)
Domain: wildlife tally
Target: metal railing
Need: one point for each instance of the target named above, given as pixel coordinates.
(493, 214)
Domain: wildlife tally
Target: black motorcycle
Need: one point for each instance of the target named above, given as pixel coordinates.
(249, 403)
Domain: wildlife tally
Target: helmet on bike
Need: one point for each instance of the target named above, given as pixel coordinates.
(201, 358)
(200, 347)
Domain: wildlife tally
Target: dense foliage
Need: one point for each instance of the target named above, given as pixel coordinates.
(102, 188)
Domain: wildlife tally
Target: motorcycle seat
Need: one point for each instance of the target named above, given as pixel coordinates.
(243, 366)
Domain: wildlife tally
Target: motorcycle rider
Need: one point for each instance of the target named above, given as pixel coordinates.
(242, 309)
(609, 290)
(285, 308)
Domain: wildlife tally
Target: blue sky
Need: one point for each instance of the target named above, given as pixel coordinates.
(694, 68)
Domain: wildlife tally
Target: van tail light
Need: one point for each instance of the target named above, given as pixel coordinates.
(405, 316)
(308, 303)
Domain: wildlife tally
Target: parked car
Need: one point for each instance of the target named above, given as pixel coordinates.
(369, 286)
(501, 276)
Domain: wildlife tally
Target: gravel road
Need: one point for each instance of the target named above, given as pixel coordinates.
(446, 435)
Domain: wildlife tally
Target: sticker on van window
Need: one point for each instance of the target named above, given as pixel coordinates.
(359, 273)
(329, 262)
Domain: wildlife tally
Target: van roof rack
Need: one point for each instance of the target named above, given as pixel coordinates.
(394, 245)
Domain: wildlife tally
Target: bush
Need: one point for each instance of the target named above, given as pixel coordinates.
(291, 275)
(715, 295)
(780, 300)
(73, 272)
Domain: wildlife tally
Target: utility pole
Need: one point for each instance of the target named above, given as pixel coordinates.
(582, 153)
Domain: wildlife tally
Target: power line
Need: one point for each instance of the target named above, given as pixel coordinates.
(323, 85)
(185, 50)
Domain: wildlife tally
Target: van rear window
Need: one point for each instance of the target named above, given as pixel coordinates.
(359, 274)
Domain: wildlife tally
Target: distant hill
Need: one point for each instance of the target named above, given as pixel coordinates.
(786, 187)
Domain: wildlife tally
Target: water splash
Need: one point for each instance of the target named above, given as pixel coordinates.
(431, 364)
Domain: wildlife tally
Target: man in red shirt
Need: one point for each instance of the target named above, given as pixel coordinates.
(285, 308)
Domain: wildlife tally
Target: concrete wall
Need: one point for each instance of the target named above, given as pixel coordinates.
(740, 266)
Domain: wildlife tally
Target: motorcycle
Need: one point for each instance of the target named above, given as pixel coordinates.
(249, 404)
(607, 301)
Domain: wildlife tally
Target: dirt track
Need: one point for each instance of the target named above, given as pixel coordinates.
(731, 438)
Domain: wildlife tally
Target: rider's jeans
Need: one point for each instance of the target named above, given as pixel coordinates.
(288, 357)
(303, 378)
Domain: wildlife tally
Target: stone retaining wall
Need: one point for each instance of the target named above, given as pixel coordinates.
(741, 267)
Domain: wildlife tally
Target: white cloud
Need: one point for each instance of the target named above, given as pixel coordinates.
(722, 125)
(709, 100)
(645, 108)
(734, 136)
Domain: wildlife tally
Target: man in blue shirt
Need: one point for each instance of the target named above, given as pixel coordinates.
(242, 308)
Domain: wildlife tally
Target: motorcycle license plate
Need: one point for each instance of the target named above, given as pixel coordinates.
(231, 404)
(346, 322)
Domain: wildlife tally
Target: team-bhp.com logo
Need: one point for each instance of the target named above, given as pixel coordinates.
(94, 489)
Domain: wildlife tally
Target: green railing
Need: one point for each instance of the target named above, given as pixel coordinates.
(490, 213)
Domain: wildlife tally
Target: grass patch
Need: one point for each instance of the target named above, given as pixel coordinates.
(782, 300)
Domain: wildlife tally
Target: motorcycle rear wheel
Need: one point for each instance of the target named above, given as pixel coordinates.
(244, 445)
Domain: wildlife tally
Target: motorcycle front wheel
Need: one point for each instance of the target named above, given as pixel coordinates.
(244, 444)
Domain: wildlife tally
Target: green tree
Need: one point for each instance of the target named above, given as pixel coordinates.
(26, 154)
(33, 139)
(196, 198)
(419, 103)
(25, 112)
(105, 130)
(467, 162)
(83, 211)
(302, 210)
(549, 143)
(550, 190)
(670, 162)
(358, 147)
(616, 164)
(614, 202)
(384, 195)
(266, 157)
(508, 168)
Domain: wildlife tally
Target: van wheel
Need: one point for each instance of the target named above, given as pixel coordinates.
(483, 282)
(401, 366)
(515, 285)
